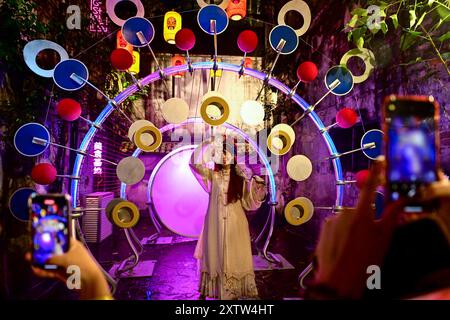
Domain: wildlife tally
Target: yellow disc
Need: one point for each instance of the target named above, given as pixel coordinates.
(140, 135)
(125, 214)
(299, 211)
(135, 126)
(274, 145)
(286, 128)
(217, 100)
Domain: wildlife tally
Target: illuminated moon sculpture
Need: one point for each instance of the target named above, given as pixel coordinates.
(181, 210)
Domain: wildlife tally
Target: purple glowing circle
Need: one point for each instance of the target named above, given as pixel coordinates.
(181, 210)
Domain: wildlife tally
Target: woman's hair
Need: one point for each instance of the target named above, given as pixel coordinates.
(236, 183)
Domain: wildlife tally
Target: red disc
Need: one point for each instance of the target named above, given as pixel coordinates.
(185, 39)
(68, 109)
(307, 71)
(361, 178)
(346, 118)
(43, 173)
(247, 41)
(121, 59)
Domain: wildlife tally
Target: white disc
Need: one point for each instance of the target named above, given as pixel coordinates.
(252, 112)
(175, 110)
(299, 168)
(130, 170)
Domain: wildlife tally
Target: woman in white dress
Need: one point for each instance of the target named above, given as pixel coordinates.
(224, 247)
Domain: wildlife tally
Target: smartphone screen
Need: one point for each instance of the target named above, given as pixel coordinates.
(50, 232)
(411, 150)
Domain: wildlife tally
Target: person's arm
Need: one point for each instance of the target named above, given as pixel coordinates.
(198, 166)
(254, 188)
(93, 284)
(352, 241)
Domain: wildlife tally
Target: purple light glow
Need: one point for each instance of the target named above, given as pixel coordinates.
(181, 209)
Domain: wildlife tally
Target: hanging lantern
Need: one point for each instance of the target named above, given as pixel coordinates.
(237, 9)
(248, 63)
(218, 71)
(172, 24)
(136, 63)
(178, 60)
(121, 43)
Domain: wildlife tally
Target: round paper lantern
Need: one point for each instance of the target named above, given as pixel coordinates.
(43, 173)
(252, 112)
(121, 59)
(185, 39)
(247, 41)
(68, 109)
(361, 178)
(346, 118)
(172, 24)
(236, 9)
(307, 71)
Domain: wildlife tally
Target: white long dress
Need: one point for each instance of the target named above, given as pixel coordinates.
(224, 247)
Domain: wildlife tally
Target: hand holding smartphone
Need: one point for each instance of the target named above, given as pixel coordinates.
(50, 227)
(411, 146)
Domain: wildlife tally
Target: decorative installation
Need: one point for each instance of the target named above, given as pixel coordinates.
(70, 74)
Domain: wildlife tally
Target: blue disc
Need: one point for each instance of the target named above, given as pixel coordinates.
(212, 12)
(135, 25)
(287, 34)
(379, 204)
(23, 139)
(375, 136)
(18, 203)
(65, 69)
(344, 76)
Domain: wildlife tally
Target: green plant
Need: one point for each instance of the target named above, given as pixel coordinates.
(423, 25)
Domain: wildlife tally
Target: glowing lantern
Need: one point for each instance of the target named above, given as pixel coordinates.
(218, 71)
(248, 63)
(136, 63)
(178, 60)
(237, 9)
(172, 24)
(121, 43)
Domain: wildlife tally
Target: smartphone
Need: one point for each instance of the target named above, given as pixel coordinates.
(411, 146)
(50, 226)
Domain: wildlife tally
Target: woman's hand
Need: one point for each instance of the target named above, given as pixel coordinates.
(352, 241)
(93, 283)
(243, 171)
